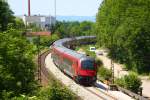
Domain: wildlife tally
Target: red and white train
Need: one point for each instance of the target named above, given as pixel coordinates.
(80, 67)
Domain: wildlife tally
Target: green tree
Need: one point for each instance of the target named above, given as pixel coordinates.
(6, 15)
(131, 82)
(16, 65)
(123, 28)
(87, 28)
(72, 29)
(19, 24)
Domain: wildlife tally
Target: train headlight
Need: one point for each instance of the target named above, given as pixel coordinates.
(79, 77)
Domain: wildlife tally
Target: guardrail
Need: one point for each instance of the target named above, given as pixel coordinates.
(134, 95)
(128, 92)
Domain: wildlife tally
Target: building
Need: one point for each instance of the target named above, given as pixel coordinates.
(43, 22)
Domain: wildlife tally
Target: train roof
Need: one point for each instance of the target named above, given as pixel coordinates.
(60, 45)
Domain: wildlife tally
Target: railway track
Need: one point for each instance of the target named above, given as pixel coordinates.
(43, 73)
(101, 94)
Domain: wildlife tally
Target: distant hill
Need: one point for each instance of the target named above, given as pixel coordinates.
(76, 18)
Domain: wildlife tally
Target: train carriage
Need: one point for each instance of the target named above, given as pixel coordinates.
(80, 67)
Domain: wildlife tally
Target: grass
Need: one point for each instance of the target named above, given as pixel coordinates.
(86, 49)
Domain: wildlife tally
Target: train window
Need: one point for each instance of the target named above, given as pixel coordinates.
(67, 62)
(56, 57)
(87, 64)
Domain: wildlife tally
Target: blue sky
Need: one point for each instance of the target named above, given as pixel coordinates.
(64, 7)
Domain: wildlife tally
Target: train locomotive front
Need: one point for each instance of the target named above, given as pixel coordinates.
(87, 73)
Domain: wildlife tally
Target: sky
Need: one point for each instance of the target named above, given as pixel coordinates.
(63, 7)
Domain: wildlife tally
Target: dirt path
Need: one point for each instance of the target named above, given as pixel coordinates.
(119, 72)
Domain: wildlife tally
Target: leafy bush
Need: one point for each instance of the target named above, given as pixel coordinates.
(104, 73)
(56, 92)
(131, 82)
(60, 93)
(98, 62)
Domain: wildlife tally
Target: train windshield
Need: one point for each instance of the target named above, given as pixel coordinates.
(87, 65)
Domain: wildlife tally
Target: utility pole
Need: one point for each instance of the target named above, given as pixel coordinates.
(29, 13)
(112, 63)
(39, 59)
(55, 9)
(112, 70)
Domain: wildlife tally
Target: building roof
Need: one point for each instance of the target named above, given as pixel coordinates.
(39, 33)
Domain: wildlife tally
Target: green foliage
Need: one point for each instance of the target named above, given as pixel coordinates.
(46, 41)
(34, 27)
(131, 82)
(90, 53)
(71, 29)
(16, 65)
(87, 28)
(123, 27)
(21, 98)
(104, 73)
(56, 92)
(98, 62)
(19, 24)
(6, 95)
(6, 15)
(86, 49)
(60, 93)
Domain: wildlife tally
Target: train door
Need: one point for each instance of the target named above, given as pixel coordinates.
(56, 59)
(67, 66)
(74, 68)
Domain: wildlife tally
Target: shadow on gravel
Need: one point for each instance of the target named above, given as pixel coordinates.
(85, 85)
(100, 86)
